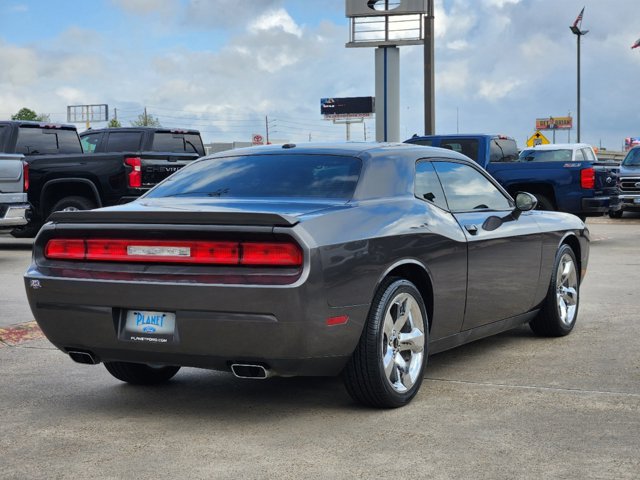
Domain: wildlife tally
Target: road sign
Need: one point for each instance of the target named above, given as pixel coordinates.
(256, 139)
(537, 139)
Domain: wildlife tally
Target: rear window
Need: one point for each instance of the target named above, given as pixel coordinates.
(265, 176)
(124, 141)
(560, 155)
(465, 146)
(503, 150)
(35, 140)
(177, 143)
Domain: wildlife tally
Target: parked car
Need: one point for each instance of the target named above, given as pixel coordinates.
(62, 177)
(629, 184)
(563, 177)
(14, 183)
(306, 260)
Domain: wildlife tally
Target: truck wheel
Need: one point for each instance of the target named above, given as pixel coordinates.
(140, 374)
(387, 366)
(544, 203)
(27, 231)
(560, 308)
(616, 213)
(72, 204)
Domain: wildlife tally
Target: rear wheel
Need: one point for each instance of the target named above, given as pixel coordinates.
(560, 309)
(615, 213)
(544, 203)
(387, 366)
(72, 204)
(140, 374)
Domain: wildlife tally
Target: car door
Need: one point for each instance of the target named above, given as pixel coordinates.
(504, 249)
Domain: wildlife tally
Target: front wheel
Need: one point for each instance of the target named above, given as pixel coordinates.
(560, 308)
(140, 374)
(386, 367)
(615, 213)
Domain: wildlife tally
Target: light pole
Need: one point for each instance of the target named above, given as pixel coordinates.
(429, 76)
(575, 29)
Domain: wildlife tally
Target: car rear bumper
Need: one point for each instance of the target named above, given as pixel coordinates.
(284, 328)
(599, 205)
(14, 215)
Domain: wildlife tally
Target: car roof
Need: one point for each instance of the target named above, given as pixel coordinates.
(129, 129)
(560, 146)
(461, 135)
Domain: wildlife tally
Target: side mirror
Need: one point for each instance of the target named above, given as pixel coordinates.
(525, 202)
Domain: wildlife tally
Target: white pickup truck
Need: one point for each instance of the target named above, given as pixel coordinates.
(14, 183)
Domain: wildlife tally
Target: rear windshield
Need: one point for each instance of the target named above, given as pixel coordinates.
(177, 143)
(265, 176)
(632, 159)
(36, 140)
(561, 155)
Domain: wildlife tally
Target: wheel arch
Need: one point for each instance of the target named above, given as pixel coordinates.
(56, 189)
(541, 188)
(416, 273)
(572, 241)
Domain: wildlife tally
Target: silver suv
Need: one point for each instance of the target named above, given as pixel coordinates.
(629, 183)
(14, 182)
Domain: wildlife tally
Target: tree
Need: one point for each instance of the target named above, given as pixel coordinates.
(114, 123)
(145, 120)
(29, 115)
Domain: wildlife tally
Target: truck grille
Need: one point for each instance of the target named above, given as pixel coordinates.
(630, 185)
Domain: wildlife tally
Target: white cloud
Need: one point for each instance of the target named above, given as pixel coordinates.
(499, 89)
(276, 19)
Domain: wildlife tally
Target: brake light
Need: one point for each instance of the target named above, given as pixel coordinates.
(272, 254)
(134, 178)
(25, 176)
(587, 178)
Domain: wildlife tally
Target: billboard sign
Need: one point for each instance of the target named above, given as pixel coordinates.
(631, 142)
(554, 123)
(372, 8)
(87, 113)
(347, 107)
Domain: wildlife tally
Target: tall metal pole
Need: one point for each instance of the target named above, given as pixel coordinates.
(429, 74)
(578, 127)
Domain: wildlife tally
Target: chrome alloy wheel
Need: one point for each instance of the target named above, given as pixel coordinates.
(70, 209)
(567, 290)
(403, 342)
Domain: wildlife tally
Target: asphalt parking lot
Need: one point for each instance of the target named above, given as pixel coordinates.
(510, 406)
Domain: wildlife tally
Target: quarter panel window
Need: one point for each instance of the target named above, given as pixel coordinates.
(427, 185)
(468, 189)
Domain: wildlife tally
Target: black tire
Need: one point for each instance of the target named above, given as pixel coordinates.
(544, 203)
(73, 203)
(616, 213)
(550, 322)
(27, 231)
(364, 376)
(140, 374)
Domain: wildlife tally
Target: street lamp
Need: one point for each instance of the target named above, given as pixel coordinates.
(575, 29)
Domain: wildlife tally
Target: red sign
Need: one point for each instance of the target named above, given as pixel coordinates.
(256, 139)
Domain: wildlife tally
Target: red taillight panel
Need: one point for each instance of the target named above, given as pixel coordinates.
(273, 254)
(25, 176)
(134, 178)
(587, 178)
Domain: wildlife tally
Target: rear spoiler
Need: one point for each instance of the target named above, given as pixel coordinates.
(175, 218)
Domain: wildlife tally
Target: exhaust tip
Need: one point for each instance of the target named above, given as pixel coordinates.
(254, 372)
(86, 358)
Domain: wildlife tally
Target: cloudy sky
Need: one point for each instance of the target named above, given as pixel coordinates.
(222, 66)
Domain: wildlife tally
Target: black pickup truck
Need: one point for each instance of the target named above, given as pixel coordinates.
(63, 177)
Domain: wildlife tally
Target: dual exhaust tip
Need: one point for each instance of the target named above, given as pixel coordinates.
(240, 370)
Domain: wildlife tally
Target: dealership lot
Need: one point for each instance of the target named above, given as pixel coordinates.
(510, 406)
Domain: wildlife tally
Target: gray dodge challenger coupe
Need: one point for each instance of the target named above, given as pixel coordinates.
(357, 259)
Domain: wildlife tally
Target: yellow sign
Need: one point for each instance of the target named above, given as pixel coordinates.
(537, 139)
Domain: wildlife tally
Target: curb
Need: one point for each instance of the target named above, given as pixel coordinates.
(19, 333)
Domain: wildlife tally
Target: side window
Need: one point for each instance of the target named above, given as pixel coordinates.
(465, 146)
(579, 156)
(33, 141)
(503, 150)
(589, 155)
(427, 185)
(3, 129)
(90, 142)
(123, 141)
(468, 189)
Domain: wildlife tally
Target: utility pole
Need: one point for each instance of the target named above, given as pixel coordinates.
(146, 119)
(266, 123)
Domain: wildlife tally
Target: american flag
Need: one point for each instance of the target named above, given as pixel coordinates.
(636, 45)
(579, 18)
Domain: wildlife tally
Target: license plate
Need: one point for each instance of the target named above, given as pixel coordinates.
(149, 326)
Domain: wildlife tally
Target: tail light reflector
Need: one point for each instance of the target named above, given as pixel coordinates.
(587, 178)
(273, 254)
(25, 176)
(134, 178)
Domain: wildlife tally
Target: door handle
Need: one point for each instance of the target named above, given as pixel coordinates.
(472, 229)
